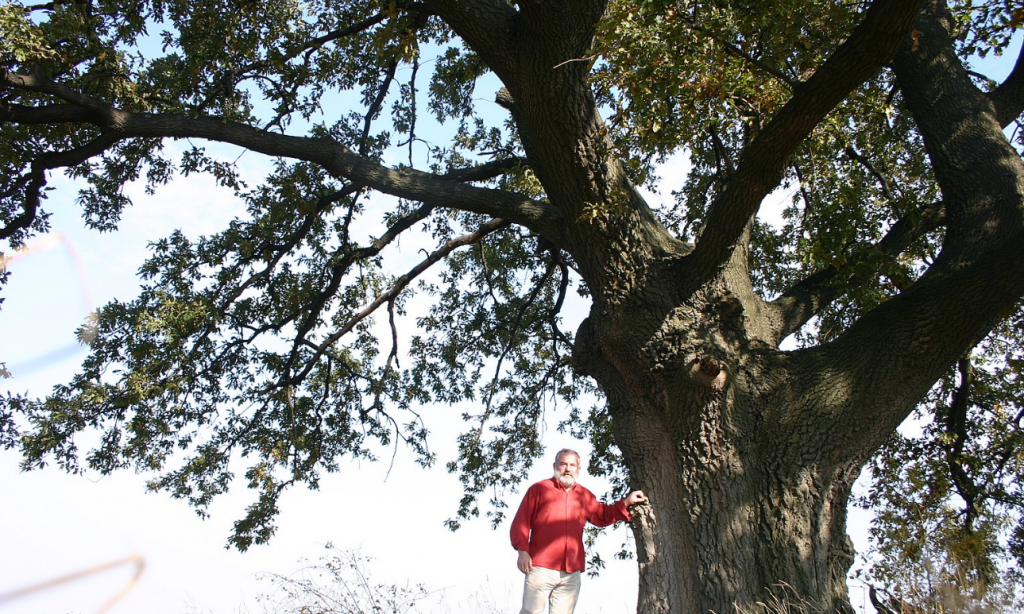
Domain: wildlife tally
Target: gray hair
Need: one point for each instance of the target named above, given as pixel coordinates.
(565, 451)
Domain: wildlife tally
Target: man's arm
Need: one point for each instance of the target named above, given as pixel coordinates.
(520, 531)
(637, 496)
(525, 562)
(602, 515)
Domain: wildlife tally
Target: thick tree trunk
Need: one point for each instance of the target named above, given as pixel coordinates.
(731, 529)
(749, 453)
(748, 500)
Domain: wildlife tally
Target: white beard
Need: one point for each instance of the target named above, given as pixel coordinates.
(566, 480)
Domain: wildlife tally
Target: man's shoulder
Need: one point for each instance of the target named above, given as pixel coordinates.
(545, 484)
(583, 491)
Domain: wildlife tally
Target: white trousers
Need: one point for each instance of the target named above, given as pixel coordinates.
(544, 586)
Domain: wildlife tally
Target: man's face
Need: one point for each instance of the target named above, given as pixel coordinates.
(567, 469)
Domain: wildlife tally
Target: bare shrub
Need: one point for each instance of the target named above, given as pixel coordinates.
(339, 584)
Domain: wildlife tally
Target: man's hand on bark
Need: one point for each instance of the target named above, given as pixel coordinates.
(637, 496)
(525, 563)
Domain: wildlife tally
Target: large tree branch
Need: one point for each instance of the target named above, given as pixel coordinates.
(45, 114)
(37, 82)
(956, 431)
(871, 45)
(35, 180)
(487, 170)
(948, 108)
(1008, 98)
(796, 306)
(337, 159)
(892, 355)
(485, 26)
(876, 372)
(342, 162)
(977, 168)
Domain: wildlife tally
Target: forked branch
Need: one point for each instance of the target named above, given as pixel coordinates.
(34, 181)
(814, 293)
(391, 294)
(871, 45)
(1008, 98)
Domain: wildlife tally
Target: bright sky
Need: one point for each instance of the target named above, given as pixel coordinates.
(56, 524)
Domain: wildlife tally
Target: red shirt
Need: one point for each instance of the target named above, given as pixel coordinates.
(549, 523)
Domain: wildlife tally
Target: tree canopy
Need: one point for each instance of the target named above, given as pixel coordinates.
(284, 342)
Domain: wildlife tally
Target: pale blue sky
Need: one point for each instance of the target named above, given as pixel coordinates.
(59, 524)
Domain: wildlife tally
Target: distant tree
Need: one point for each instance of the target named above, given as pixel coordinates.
(902, 250)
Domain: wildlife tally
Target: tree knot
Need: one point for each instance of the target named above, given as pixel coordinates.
(709, 373)
(504, 99)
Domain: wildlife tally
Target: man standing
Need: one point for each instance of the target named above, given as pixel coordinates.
(548, 533)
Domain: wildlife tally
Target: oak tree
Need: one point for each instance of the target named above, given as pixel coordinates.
(900, 253)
